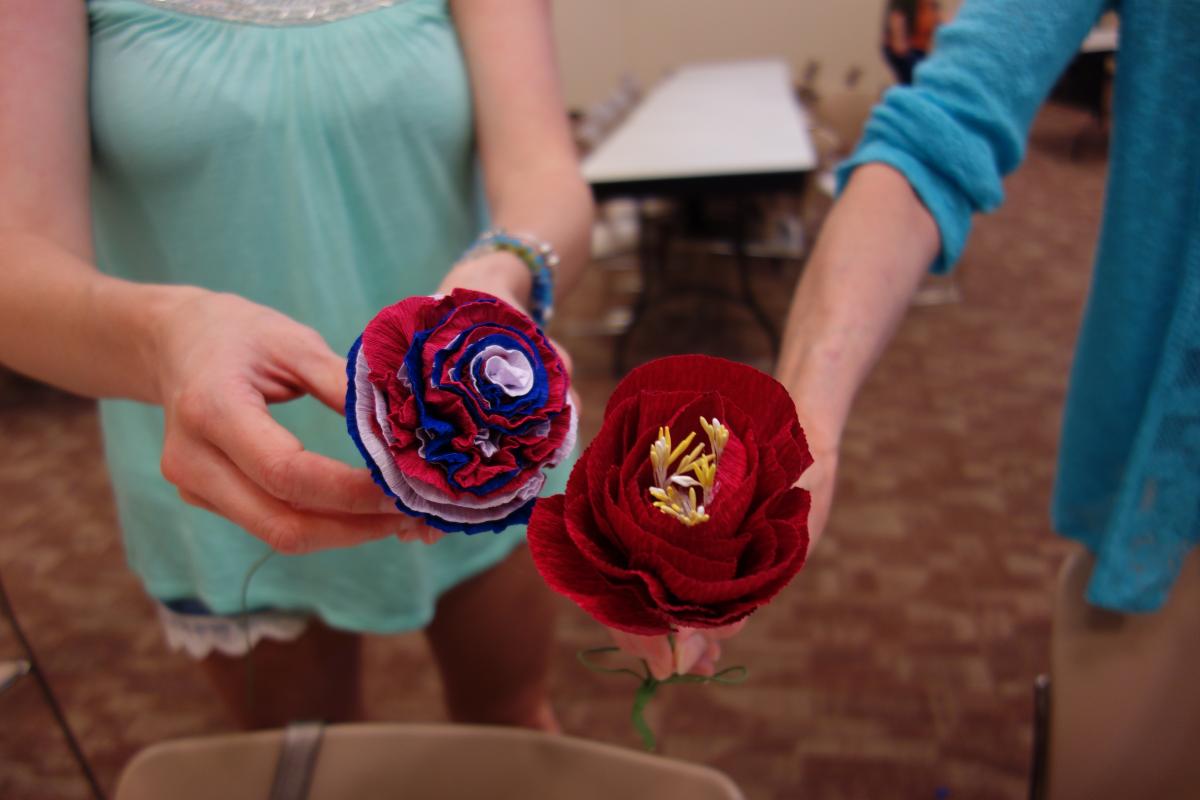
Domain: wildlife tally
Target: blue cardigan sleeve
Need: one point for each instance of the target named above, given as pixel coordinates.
(961, 127)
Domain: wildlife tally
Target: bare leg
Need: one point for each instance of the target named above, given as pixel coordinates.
(315, 677)
(492, 638)
(1125, 705)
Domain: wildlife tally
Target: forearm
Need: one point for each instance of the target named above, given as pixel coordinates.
(65, 323)
(876, 244)
(552, 203)
(531, 169)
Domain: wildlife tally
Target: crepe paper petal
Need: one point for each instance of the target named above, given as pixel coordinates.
(458, 404)
(756, 393)
(618, 605)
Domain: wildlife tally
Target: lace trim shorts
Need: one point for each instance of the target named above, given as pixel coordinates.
(192, 628)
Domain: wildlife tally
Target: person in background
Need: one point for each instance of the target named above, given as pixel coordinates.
(196, 199)
(1128, 477)
(909, 26)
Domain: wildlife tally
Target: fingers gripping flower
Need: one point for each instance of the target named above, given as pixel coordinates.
(704, 531)
(458, 403)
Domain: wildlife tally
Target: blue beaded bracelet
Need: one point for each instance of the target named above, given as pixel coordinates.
(539, 256)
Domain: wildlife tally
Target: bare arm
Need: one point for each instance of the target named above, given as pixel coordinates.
(213, 361)
(872, 251)
(871, 254)
(51, 297)
(956, 133)
(877, 243)
(531, 170)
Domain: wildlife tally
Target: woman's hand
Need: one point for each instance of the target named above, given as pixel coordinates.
(819, 479)
(499, 274)
(219, 360)
(695, 650)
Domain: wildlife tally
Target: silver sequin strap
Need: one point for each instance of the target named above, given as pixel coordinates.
(274, 12)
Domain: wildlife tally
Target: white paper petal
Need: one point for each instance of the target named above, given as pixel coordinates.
(568, 443)
(507, 368)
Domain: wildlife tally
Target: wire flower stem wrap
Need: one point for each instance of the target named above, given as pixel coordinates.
(648, 687)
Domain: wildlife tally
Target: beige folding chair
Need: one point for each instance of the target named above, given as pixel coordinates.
(1125, 694)
(405, 762)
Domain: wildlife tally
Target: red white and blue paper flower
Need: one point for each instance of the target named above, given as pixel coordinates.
(459, 403)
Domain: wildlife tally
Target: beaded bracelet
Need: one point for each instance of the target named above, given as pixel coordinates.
(538, 255)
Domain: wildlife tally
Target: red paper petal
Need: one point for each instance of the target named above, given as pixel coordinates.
(643, 552)
(568, 573)
(763, 398)
(388, 336)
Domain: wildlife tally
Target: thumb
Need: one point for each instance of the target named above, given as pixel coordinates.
(321, 372)
(329, 383)
(654, 650)
(659, 657)
(690, 645)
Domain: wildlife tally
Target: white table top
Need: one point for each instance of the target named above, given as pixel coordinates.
(709, 120)
(1101, 40)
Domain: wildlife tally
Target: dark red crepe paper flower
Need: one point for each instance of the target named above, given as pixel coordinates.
(633, 567)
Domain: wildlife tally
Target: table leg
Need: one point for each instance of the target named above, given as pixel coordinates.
(652, 255)
(745, 286)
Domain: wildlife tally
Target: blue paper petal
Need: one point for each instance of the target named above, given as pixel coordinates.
(496, 399)
(527, 404)
(518, 517)
(438, 435)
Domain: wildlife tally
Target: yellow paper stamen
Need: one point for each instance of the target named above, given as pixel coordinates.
(667, 493)
(718, 435)
(682, 446)
(705, 471)
(690, 459)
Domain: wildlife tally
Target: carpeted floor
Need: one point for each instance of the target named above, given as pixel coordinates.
(899, 664)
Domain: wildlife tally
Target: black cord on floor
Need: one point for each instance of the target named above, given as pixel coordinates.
(35, 669)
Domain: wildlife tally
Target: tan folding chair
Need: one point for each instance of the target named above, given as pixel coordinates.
(1125, 694)
(425, 762)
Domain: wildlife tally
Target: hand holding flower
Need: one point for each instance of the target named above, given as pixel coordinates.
(681, 518)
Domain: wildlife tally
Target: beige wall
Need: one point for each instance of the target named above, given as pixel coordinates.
(600, 40)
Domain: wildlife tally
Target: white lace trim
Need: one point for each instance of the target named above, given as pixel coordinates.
(274, 12)
(200, 634)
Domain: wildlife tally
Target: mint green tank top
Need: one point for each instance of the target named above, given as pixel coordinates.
(323, 167)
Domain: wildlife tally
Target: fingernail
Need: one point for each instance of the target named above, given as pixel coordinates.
(688, 652)
(388, 506)
(660, 668)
